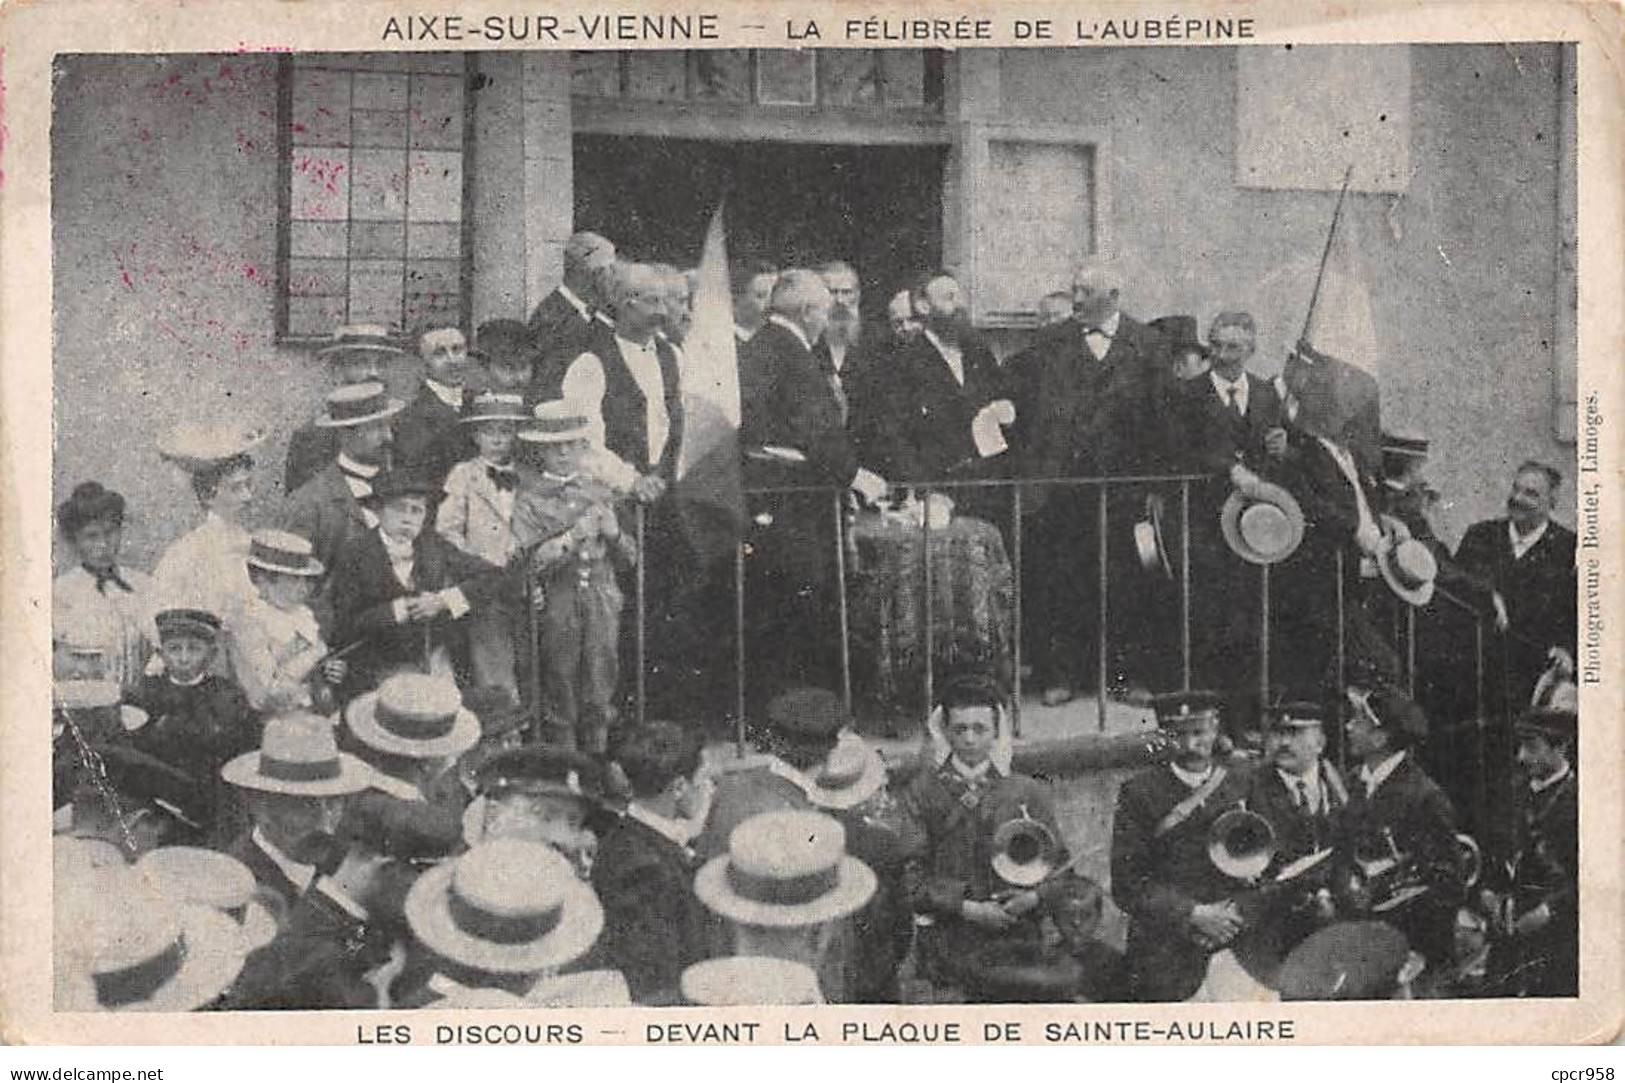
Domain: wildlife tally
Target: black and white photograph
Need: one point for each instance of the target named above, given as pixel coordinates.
(538, 529)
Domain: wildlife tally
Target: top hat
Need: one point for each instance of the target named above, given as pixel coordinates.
(505, 342)
(219, 881)
(557, 422)
(284, 553)
(739, 980)
(298, 757)
(1178, 708)
(360, 338)
(415, 715)
(199, 623)
(412, 480)
(508, 906)
(1296, 714)
(196, 446)
(1264, 526)
(1179, 334)
(132, 948)
(357, 404)
(851, 774)
(785, 869)
(807, 717)
(1407, 566)
(494, 406)
(1351, 960)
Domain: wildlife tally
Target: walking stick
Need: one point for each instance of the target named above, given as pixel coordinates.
(533, 679)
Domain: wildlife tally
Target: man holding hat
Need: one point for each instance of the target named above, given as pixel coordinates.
(402, 591)
(427, 434)
(357, 353)
(1179, 905)
(1396, 809)
(336, 504)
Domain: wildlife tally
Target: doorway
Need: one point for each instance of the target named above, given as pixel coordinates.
(791, 204)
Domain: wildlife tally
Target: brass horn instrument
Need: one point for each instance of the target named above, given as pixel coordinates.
(1241, 844)
(1025, 852)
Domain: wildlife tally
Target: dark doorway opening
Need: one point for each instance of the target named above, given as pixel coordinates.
(792, 204)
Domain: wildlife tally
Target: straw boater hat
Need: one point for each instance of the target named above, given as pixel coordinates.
(494, 406)
(218, 881)
(557, 422)
(360, 338)
(416, 715)
(851, 774)
(196, 446)
(1407, 566)
(1264, 526)
(1149, 545)
(357, 404)
(298, 757)
(284, 553)
(507, 906)
(739, 980)
(122, 944)
(785, 869)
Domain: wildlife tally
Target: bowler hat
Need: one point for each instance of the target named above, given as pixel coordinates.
(785, 869)
(196, 446)
(299, 757)
(1407, 566)
(1263, 526)
(358, 404)
(1179, 334)
(494, 406)
(360, 338)
(199, 623)
(1558, 725)
(415, 715)
(852, 773)
(508, 906)
(284, 553)
(807, 717)
(557, 422)
(1351, 960)
(740, 980)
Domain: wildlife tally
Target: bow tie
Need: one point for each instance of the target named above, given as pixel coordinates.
(105, 576)
(506, 478)
(1087, 331)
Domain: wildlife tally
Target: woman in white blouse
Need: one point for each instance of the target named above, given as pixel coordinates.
(205, 568)
(100, 611)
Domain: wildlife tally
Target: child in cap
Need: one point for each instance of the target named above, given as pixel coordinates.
(196, 720)
(278, 650)
(476, 516)
(567, 528)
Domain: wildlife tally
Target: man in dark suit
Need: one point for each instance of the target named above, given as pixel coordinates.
(792, 433)
(845, 351)
(427, 433)
(357, 354)
(562, 324)
(1087, 395)
(1223, 419)
(917, 419)
(1180, 907)
(654, 927)
(404, 590)
(1521, 568)
(335, 504)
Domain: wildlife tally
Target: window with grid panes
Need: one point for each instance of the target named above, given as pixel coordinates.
(839, 79)
(374, 208)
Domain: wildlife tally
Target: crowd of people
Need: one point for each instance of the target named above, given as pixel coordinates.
(372, 749)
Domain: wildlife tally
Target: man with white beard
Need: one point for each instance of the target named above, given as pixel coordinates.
(843, 353)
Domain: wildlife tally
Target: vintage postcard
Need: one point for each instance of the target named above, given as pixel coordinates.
(679, 524)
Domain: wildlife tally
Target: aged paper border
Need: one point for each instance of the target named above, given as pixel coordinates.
(31, 33)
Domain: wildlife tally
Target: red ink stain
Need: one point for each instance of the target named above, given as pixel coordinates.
(298, 128)
(128, 283)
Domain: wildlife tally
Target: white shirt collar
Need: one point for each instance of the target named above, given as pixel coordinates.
(801, 336)
(398, 551)
(193, 683)
(743, 335)
(451, 396)
(1539, 786)
(1310, 781)
(1110, 324)
(1223, 385)
(575, 301)
(350, 466)
(298, 875)
(1372, 777)
(1191, 778)
(1522, 543)
(678, 832)
(627, 345)
(972, 774)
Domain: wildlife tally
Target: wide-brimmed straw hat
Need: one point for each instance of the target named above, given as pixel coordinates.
(1264, 526)
(785, 869)
(852, 773)
(494, 406)
(299, 757)
(357, 404)
(1407, 566)
(124, 945)
(191, 874)
(416, 715)
(196, 446)
(284, 553)
(1149, 544)
(557, 422)
(508, 906)
(368, 338)
(738, 980)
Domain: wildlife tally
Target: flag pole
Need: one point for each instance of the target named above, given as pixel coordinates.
(1325, 255)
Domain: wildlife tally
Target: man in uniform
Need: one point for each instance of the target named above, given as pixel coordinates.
(1180, 907)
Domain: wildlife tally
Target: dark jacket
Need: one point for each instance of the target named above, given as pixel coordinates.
(310, 447)
(785, 401)
(324, 511)
(1539, 590)
(196, 730)
(560, 334)
(654, 926)
(428, 436)
(364, 589)
(1208, 434)
(913, 420)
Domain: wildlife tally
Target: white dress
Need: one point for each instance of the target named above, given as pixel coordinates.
(115, 623)
(206, 569)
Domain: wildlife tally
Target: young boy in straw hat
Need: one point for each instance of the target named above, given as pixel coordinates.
(278, 651)
(567, 527)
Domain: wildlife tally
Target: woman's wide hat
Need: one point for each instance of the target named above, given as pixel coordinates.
(196, 446)
(783, 870)
(1263, 525)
